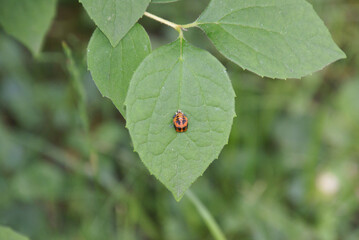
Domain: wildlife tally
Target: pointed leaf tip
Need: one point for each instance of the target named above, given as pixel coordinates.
(28, 21)
(115, 17)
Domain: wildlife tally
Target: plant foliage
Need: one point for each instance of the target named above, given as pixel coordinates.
(272, 38)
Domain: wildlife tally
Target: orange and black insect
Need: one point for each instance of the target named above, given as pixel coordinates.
(180, 121)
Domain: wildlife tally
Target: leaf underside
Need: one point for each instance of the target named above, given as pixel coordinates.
(115, 17)
(273, 38)
(27, 21)
(112, 67)
(179, 76)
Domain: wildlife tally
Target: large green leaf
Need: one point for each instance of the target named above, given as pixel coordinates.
(112, 67)
(179, 76)
(8, 234)
(115, 17)
(273, 38)
(28, 21)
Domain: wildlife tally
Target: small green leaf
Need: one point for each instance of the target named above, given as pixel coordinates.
(112, 67)
(115, 17)
(179, 76)
(273, 38)
(8, 234)
(27, 21)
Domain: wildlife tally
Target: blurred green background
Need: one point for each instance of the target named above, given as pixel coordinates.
(68, 170)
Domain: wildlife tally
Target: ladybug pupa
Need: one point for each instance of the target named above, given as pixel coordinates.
(180, 121)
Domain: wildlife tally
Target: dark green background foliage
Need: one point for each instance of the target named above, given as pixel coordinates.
(68, 170)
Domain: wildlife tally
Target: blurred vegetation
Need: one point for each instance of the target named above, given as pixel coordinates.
(68, 171)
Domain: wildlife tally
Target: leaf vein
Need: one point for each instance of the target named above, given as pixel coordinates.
(255, 50)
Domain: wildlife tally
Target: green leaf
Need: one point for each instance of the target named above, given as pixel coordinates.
(273, 38)
(179, 76)
(27, 21)
(115, 17)
(163, 1)
(112, 67)
(8, 234)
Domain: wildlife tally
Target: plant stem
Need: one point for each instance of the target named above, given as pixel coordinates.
(164, 21)
(207, 217)
(185, 26)
(173, 25)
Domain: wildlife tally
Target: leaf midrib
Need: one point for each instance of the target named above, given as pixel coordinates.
(156, 102)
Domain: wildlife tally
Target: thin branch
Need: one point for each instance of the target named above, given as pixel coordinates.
(164, 21)
(179, 28)
(194, 24)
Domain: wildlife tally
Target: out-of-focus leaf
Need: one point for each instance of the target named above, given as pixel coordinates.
(8, 234)
(27, 21)
(39, 181)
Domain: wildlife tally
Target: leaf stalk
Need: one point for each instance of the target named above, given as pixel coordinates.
(179, 28)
